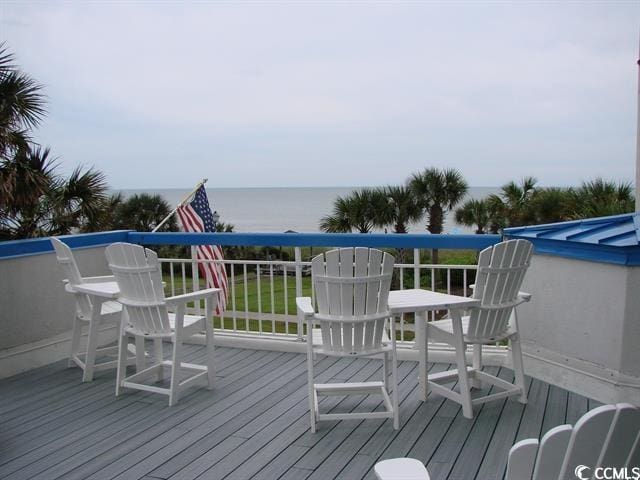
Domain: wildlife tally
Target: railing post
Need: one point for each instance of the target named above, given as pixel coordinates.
(298, 259)
(195, 275)
(416, 268)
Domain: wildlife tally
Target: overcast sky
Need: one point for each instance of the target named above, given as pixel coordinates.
(159, 94)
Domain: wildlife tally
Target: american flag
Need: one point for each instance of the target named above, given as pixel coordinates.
(196, 216)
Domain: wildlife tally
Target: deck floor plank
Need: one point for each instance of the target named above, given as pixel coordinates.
(255, 424)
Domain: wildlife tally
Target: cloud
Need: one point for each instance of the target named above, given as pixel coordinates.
(489, 88)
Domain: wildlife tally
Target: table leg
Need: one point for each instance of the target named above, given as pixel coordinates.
(423, 352)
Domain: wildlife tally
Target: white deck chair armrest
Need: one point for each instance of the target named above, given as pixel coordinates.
(304, 306)
(191, 297)
(102, 279)
(523, 297)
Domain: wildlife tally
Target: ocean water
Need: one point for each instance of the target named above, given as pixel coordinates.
(282, 209)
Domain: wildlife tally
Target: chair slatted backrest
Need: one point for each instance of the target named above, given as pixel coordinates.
(351, 291)
(501, 270)
(66, 259)
(607, 436)
(139, 278)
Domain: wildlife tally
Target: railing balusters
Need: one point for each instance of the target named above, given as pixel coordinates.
(464, 282)
(233, 298)
(246, 298)
(416, 268)
(184, 279)
(258, 286)
(286, 299)
(173, 281)
(273, 301)
(262, 314)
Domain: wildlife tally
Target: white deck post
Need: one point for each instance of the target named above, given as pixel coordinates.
(298, 259)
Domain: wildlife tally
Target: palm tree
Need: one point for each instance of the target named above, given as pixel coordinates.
(142, 212)
(362, 210)
(438, 191)
(514, 202)
(22, 106)
(599, 197)
(474, 213)
(63, 206)
(401, 208)
(24, 174)
(34, 199)
(550, 205)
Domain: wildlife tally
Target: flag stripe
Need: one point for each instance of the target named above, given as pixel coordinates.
(196, 216)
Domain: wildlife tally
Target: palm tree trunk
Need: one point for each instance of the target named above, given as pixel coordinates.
(435, 227)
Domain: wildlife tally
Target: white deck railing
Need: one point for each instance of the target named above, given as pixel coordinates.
(261, 295)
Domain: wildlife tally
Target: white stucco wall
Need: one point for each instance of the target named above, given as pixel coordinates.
(630, 358)
(580, 329)
(35, 305)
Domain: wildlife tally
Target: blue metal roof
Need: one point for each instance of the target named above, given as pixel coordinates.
(614, 239)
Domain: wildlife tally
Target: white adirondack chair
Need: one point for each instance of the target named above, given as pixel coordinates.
(110, 313)
(607, 436)
(139, 278)
(501, 269)
(351, 288)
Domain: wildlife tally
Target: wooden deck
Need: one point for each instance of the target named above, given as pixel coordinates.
(255, 424)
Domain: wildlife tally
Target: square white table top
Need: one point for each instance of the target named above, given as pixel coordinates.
(419, 300)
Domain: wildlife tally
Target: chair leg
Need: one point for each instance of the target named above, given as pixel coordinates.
(463, 378)
(158, 357)
(312, 403)
(121, 371)
(75, 340)
(385, 370)
(140, 360)
(174, 388)
(92, 342)
(394, 397)
(518, 368)
(477, 364)
(211, 371)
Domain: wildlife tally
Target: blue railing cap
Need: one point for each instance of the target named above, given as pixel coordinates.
(613, 239)
(35, 246)
(380, 240)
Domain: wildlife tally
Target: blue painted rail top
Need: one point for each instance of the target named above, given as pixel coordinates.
(17, 248)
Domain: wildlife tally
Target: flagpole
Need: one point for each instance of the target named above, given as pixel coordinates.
(182, 202)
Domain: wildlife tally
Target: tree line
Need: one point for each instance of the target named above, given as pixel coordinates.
(434, 192)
